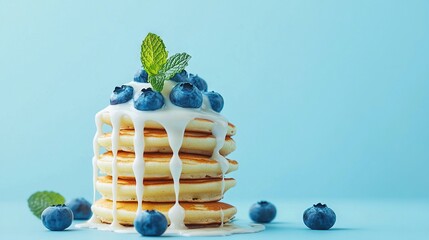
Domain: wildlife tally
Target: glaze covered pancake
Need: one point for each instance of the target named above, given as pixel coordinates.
(195, 213)
(157, 141)
(157, 165)
(195, 190)
(196, 125)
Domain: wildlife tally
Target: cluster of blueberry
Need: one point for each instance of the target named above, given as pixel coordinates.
(317, 217)
(188, 93)
(60, 217)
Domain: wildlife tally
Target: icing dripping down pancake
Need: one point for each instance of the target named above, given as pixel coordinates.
(195, 213)
(196, 125)
(157, 165)
(157, 141)
(195, 190)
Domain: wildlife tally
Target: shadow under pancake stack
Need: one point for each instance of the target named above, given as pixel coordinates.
(172, 160)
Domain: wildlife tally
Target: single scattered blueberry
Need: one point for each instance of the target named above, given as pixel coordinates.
(319, 217)
(262, 212)
(216, 100)
(141, 76)
(150, 223)
(198, 82)
(121, 94)
(81, 208)
(57, 217)
(181, 77)
(186, 95)
(149, 100)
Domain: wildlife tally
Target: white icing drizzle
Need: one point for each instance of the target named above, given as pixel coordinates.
(115, 118)
(175, 134)
(174, 119)
(219, 131)
(96, 150)
(138, 165)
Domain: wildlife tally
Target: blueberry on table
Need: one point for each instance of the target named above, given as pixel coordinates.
(57, 217)
(198, 82)
(141, 76)
(262, 212)
(186, 95)
(121, 94)
(216, 100)
(319, 217)
(149, 100)
(81, 208)
(150, 223)
(181, 77)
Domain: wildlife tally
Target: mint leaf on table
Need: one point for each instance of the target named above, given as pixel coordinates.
(39, 201)
(153, 54)
(175, 64)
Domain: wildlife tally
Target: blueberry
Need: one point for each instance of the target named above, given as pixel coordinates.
(319, 217)
(81, 208)
(180, 77)
(149, 100)
(262, 212)
(216, 100)
(57, 217)
(186, 95)
(141, 76)
(150, 223)
(121, 94)
(198, 82)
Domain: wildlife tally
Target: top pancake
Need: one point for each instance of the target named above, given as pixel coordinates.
(196, 125)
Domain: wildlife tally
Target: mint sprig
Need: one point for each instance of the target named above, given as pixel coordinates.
(39, 201)
(155, 62)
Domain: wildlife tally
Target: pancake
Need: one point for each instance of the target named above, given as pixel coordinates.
(157, 165)
(157, 141)
(196, 125)
(195, 213)
(196, 190)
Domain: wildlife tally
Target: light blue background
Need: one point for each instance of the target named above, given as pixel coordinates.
(331, 98)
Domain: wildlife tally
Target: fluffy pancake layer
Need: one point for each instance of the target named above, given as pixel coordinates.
(195, 213)
(196, 125)
(196, 190)
(157, 165)
(157, 141)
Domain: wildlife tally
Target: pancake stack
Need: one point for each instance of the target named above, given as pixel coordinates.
(172, 160)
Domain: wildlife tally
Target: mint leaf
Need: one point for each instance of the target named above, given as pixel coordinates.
(157, 82)
(39, 201)
(153, 54)
(175, 64)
